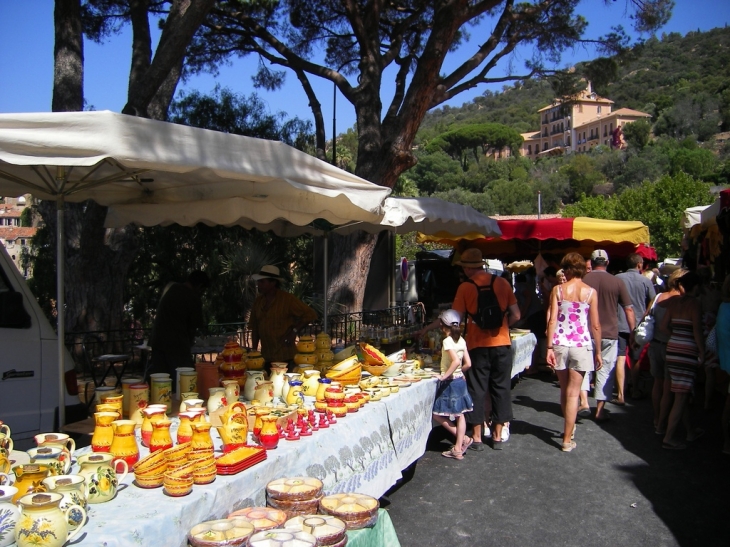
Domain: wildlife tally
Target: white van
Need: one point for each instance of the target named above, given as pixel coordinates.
(28, 360)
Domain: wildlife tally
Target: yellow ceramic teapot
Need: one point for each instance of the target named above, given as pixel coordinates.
(235, 429)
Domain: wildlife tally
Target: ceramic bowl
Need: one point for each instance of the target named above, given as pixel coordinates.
(178, 452)
(320, 406)
(178, 490)
(393, 370)
(376, 370)
(338, 410)
(306, 345)
(203, 462)
(183, 472)
(205, 475)
(151, 463)
(149, 481)
(219, 533)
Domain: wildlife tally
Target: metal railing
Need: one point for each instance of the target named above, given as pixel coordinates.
(377, 326)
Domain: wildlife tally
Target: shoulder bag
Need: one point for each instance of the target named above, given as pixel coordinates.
(644, 331)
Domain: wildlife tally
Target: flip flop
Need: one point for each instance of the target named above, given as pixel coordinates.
(680, 446)
(696, 434)
(617, 402)
(451, 453)
(468, 441)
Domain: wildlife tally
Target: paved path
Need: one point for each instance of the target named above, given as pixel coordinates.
(618, 487)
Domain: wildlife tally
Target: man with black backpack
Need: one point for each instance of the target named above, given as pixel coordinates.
(490, 308)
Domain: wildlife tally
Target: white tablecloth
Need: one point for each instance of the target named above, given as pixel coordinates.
(522, 348)
(364, 452)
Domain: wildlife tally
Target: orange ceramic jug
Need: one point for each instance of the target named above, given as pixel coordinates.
(161, 439)
(124, 446)
(103, 435)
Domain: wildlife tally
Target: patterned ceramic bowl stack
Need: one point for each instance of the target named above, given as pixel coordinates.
(221, 533)
(295, 495)
(149, 472)
(355, 510)
(329, 531)
(262, 518)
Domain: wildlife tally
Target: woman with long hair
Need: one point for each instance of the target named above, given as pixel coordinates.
(572, 322)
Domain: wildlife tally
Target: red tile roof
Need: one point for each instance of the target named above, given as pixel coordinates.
(11, 233)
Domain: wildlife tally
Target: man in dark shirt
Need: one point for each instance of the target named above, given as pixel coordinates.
(611, 292)
(179, 315)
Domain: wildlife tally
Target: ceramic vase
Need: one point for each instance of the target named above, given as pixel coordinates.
(139, 397)
(259, 421)
(124, 446)
(310, 383)
(160, 439)
(152, 413)
(29, 479)
(232, 390)
(126, 405)
(252, 377)
(323, 384)
(216, 399)
(116, 399)
(9, 515)
(277, 378)
(189, 404)
(294, 394)
(289, 377)
(187, 371)
(43, 523)
(201, 436)
(264, 392)
(161, 391)
(269, 434)
(254, 361)
(101, 478)
(185, 430)
(103, 435)
(60, 440)
(73, 490)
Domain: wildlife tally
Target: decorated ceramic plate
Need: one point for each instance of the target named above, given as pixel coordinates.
(235, 457)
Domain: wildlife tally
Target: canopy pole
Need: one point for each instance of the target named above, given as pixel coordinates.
(61, 300)
(326, 284)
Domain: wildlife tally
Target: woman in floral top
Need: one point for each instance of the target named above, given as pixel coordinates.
(572, 322)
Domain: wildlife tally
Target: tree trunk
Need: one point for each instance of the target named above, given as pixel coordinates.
(68, 57)
(349, 268)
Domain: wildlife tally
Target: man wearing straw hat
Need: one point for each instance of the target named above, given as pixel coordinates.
(489, 349)
(277, 317)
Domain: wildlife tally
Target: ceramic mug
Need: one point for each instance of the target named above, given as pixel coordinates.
(5, 441)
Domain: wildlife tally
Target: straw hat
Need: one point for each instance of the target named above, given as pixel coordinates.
(268, 272)
(471, 258)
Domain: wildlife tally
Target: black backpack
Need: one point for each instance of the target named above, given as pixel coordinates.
(489, 315)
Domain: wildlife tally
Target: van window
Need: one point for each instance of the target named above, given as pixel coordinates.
(12, 312)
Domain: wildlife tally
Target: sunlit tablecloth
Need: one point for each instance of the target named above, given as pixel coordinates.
(364, 452)
(522, 348)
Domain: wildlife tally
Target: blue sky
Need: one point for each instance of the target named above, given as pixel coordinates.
(26, 60)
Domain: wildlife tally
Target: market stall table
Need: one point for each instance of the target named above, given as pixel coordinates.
(522, 348)
(363, 452)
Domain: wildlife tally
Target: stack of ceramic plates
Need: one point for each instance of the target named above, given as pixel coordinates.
(355, 510)
(262, 518)
(221, 533)
(237, 460)
(329, 531)
(295, 495)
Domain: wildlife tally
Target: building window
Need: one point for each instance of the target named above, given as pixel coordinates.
(529, 149)
(22, 242)
(544, 146)
(598, 108)
(580, 108)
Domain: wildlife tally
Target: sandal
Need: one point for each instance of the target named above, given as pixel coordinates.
(572, 435)
(696, 434)
(567, 447)
(466, 443)
(453, 453)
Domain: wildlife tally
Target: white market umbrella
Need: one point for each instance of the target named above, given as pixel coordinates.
(117, 159)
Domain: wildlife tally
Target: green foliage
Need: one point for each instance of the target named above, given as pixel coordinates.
(637, 134)
(437, 171)
(481, 202)
(477, 139)
(582, 175)
(593, 207)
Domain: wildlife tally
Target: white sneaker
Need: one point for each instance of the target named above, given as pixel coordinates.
(486, 433)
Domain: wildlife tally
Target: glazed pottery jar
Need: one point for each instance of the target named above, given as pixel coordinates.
(264, 392)
(103, 431)
(152, 413)
(277, 378)
(102, 391)
(311, 383)
(234, 430)
(126, 382)
(325, 355)
(269, 434)
(324, 383)
(216, 399)
(305, 359)
(188, 404)
(305, 344)
(124, 446)
(161, 391)
(232, 390)
(43, 523)
(185, 429)
(139, 397)
(294, 395)
(101, 478)
(29, 479)
(188, 380)
(201, 436)
(161, 439)
(73, 490)
(179, 371)
(289, 377)
(252, 377)
(62, 441)
(254, 361)
(9, 515)
(116, 399)
(323, 341)
(259, 421)
(50, 456)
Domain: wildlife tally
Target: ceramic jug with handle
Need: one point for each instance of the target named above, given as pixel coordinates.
(252, 377)
(201, 436)
(50, 456)
(43, 523)
(152, 413)
(289, 377)
(216, 399)
(73, 490)
(161, 438)
(101, 478)
(264, 392)
(5, 441)
(9, 515)
(124, 446)
(61, 440)
(294, 395)
(310, 383)
(4, 461)
(29, 479)
(232, 390)
(277, 378)
(103, 435)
